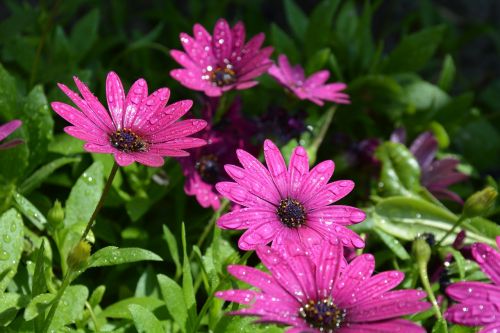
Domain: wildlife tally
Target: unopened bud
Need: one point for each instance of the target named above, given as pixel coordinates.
(79, 255)
(480, 202)
(55, 216)
(421, 251)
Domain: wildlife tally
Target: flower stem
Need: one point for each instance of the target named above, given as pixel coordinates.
(424, 277)
(57, 299)
(101, 200)
(450, 231)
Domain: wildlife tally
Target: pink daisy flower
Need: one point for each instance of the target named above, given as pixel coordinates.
(324, 294)
(312, 88)
(137, 127)
(6, 130)
(283, 206)
(205, 166)
(218, 63)
(479, 302)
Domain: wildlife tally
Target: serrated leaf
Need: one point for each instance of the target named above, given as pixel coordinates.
(144, 320)
(406, 218)
(112, 255)
(414, 51)
(297, 20)
(400, 174)
(119, 310)
(30, 211)
(11, 247)
(172, 249)
(36, 179)
(174, 299)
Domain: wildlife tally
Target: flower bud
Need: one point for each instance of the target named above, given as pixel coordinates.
(480, 202)
(55, 216)
(79, 255)
(421, 251)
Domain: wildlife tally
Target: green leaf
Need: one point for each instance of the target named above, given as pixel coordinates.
(297, 20)
(38, 305)
(112, 255)
(96, 296)
(38, 122)
(187, 281)
(414, 51)
(230, 324)
(81, 202)
(70, 307)
(440, 326)
(400, 173)
(425, 96)
(144, 320)
(459, 261)
(283, 43)
(10, 303)
(406, 218)
(174, 299)
(318, 61)
(393, 244)
(36, 179)
(11, 245)
(119, 310)
(320, 25)
(447, 74)
(172, 249)
(84, 34)
(39, 286)
(66, 145)
(30, 211)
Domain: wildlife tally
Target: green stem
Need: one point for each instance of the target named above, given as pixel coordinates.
(424, 277)
(57, 299)
(92, 316)
(450, 231)
(101, 200)
(322, 132)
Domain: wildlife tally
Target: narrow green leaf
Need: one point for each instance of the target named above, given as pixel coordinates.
(30, 211)
(440, 326)
(459, 261)
(400, 173)
(187, 282)
(144, 320)
(297, 20)
(11, 246)
(447, 74)
(84, 34)
(36, 179)
(414, 51)
(119, 310)
(169, 237)
(39, 286)
(393, 244)
(112, 255)
(318, 61)
(96, 296)
(406, 218)
(284, 44)
(320, 25)
(173, 296)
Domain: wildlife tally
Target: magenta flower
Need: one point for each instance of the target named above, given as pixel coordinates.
(436, 175)
(6, 130)
(323, 293)
(312, 88)
(205, 166)
(137, 127)
(218, 63)
(479, 302)
(284, 206)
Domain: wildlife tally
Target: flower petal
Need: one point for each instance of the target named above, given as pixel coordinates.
(337, 214)
(115, 96)
(298, 171)
(253, 184)
(317, 178)
(386, 326)
(260, 234)
(328, 268)
(244, 218)
(277, 167)
(242, 196)
(222, 41)
(135, 96)
(488, 259)
(177, 130)
(331, 193)
(473, 314)
(123, 159)
(477, 291)
(7, 128)
(151, 107)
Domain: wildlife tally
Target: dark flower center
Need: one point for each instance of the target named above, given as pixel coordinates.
(323, 315)
(291, 213)
(127, 141)
(208, 168)
(222, 76)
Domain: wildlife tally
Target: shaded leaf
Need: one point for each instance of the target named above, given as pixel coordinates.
(11, 246)
(144, 320)
(174, 299)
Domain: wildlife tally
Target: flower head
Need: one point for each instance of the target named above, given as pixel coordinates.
(137, 127)
(436, 175)
(312, 88)
(479, 302)
(287, 205)
(324, 294)
(6, 130)
(205, 166)
(218, 63)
